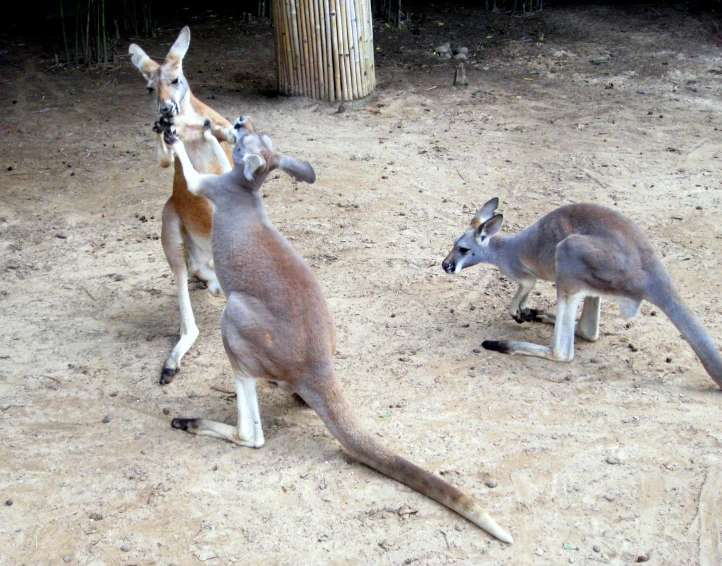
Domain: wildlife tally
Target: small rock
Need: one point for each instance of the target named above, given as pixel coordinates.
(96, 517)
(633, 348)
(126, 547)
(442, 49)
(393, 315)
(668, 359)
(9, 502)
(613, 460)
(166, 411)
(644, 557)
(539, 552)
(67, 558)
(61, 236)
(106, 419)
(464, 50)
(597, 548)
(609, 497)
(460, 57)
(476, 351)
(491, 484)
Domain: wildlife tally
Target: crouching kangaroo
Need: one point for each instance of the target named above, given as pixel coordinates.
(589, 251)
(277, 325)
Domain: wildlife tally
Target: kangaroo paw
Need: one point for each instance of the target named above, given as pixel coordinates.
(162, 124)
(527, 315)
(170, 136)
(167, 375)
(496, 346)
(185, 424)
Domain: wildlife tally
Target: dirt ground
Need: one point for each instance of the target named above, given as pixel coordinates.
(613, 458)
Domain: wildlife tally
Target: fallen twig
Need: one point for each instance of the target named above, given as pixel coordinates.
(55, 379)
(222, 390)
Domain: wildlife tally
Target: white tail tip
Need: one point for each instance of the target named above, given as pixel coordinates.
(491, 527)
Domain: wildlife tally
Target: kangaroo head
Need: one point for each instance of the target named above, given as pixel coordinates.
(254, 152)
(166, 82)
(472, 246)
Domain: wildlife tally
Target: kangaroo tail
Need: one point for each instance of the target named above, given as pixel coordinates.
(664, 295)
(328, 401)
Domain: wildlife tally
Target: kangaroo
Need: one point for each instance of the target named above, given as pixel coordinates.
(590, 252)
(276, 324)
(186, 220)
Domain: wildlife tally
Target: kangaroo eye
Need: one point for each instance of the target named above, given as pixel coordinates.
(174, 82)
(464, 251)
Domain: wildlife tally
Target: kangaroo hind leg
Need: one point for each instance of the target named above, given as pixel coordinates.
(562, 347)
(247, 432)
(175, 252)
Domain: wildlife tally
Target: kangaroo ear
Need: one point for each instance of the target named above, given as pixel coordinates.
(253, 163)
(179, 48)
(485, 212)
(145, 64)
(489, 228)
(299, 170)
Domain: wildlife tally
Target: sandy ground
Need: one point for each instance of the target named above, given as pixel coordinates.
(616, 454)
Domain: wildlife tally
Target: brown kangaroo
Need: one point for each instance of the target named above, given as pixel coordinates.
(186, 227)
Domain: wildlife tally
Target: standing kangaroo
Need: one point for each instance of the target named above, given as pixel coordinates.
(589, 251)
(186, 225)
(277, 325)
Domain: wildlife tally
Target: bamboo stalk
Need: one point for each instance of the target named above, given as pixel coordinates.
(343, 46)
(298, 87)
(105, 45)
(316, 39)
(65, 37)
(328, 42)
(361, 17)
(87, 36)
(305, 30)
(350, 78)
(281, 38)
(279, 48)
(302, 56)
(339, 77)
(355, 46)
(284, 72)
(370, 66)
(288, 39)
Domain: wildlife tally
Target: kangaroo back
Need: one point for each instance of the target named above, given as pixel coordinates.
(328, 401)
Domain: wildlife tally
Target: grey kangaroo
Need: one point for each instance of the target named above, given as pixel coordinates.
(277, 325)
(589, 251)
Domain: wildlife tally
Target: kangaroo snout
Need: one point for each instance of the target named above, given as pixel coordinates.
(448, 266)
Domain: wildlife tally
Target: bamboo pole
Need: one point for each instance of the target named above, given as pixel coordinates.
(367, 42)
(339, 77)
(303, 44)
(287, 39)
(354, 47)
(308, 48)
(293, 22)
(280, 70)
(343, 45)
(317, 45)
(332, 87)
(370, 68)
